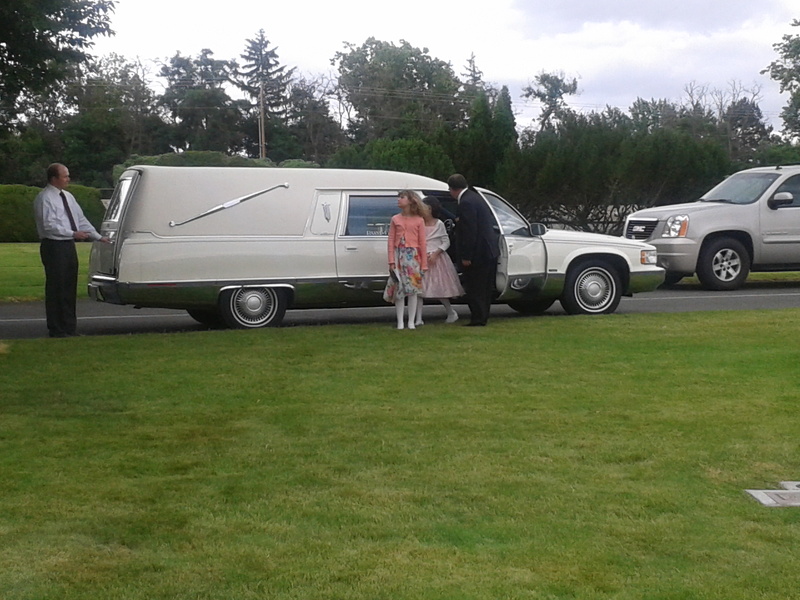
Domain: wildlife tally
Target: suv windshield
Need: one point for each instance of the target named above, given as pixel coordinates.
(742, 188)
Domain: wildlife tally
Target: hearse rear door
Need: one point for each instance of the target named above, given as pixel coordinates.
(103, 258)
(362, 239)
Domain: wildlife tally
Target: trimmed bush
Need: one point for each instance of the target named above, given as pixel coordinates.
(16, 210)
(192, 158)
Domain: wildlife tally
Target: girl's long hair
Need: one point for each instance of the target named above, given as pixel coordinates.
(417, 206)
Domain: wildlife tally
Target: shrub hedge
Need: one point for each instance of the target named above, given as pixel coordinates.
(16, 210)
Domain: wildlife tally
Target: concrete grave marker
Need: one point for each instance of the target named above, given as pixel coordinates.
(786, 497)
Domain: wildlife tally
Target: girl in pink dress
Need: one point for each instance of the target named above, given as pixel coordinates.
(441, 280)
(408, 256)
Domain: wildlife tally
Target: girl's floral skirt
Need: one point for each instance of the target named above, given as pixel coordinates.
(409, 275)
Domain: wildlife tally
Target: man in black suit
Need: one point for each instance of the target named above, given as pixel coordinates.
(477, 240)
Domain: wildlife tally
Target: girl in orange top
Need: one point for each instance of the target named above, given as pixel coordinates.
(408, 256)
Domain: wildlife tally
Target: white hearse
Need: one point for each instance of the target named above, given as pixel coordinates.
(238, 246)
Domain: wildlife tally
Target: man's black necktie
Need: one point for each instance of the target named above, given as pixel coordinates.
(69, 212)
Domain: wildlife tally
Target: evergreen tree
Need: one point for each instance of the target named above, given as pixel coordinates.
(266, 83)
(262, 73)
(504, 124)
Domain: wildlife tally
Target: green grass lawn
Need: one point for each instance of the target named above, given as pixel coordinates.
(543, 458)
(22, 274)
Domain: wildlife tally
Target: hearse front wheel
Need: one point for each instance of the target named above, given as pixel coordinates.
(248, 308)
(592, 287)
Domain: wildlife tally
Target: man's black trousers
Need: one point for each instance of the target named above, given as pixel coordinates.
(60, 260)
(479, 285)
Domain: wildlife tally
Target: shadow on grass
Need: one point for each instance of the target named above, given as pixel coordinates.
(695, 285)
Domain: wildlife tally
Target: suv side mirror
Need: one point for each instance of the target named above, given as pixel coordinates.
(780, 199)
(538, 229)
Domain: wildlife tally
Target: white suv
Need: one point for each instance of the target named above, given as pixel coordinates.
(749, 222)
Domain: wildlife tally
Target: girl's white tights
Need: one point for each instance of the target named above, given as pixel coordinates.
(452, 315)
(399, 306)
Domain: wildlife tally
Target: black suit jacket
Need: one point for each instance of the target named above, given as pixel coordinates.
(476, 232)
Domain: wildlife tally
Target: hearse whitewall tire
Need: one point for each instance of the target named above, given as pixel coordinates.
(592, 287)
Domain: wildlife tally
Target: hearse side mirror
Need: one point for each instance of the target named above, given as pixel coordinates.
(780, 199)
(538, 229)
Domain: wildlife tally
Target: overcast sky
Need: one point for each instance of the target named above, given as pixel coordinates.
(618, 49)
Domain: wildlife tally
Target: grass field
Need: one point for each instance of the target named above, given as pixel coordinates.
(543, 458)
(22, 274)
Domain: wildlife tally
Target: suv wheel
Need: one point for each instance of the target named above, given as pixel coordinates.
(723, 264)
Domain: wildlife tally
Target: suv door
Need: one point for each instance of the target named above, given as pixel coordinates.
(522, 255)
(780, 226)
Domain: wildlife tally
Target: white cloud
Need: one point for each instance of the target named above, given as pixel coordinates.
(621, 49)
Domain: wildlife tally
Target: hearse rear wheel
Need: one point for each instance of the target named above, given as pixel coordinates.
(249, 308)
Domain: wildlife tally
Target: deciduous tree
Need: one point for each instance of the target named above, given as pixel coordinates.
(550, 89)
(41, 39)
(396, 91)
(204, 116)
(786, 71)
(310, 122)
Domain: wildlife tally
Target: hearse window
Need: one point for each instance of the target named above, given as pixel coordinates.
(118, 199)
(511, 223)
(370, 215)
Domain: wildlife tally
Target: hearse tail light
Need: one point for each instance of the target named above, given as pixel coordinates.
(677, 226)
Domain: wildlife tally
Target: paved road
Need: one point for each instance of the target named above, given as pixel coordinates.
(26, 320)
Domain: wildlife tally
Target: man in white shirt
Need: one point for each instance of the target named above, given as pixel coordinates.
(60, 222)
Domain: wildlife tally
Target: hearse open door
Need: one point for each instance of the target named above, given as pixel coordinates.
(103, 258)
(521, 269)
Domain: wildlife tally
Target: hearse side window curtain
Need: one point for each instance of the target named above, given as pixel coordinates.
(370, 215)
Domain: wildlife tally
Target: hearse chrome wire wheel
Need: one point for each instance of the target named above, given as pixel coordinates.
(253, 307)
(592, 288)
